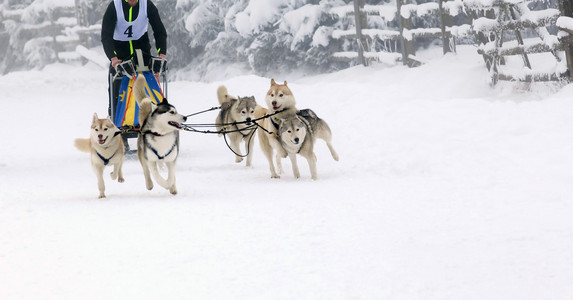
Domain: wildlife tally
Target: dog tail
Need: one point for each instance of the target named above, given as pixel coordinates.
(139, 89)
(223, 95)
(83, 145)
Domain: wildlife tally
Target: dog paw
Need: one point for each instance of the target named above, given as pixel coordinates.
(121, 179)
(275, 176)
(173, 190)
(101, 196)
(149, 186)
(238, 159)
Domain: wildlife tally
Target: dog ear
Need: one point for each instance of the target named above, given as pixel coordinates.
(273, 82)
(164, 101)
(95, 117)
(285, 83)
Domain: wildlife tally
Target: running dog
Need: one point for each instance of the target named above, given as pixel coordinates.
(282, 104)
(106, 147)
(235, 121)
(158, 141)
(298, 134)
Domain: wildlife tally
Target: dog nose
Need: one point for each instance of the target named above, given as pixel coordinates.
(248, 121)
(296, 140)
(184, 118)
(99, 136)
(274, 103)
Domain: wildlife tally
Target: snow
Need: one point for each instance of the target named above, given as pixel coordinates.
(301, 22)
(257, 14)
(446, 189)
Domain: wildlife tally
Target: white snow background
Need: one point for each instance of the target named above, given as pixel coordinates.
(445, 189)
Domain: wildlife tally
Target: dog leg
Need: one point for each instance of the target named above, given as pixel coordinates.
(268, 152)
(311, 158)
(249, 143)
(146, 173)
(100, 183)
(236, 146)
(294, 164)
(117, 174)
(171, 177)
(279, 163)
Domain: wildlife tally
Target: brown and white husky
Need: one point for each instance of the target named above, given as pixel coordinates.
(106, 147)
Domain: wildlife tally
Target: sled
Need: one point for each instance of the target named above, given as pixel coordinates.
(123, 108)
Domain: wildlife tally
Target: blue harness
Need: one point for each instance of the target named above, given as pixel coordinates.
(105, 160)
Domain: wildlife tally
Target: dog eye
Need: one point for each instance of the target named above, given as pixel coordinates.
(272, 94)
(172, 112)
(297, 129)
(280, 95)
(105, 129)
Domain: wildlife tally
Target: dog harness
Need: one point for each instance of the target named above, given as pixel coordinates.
(132, 29)
(164, 156)
(105, 160)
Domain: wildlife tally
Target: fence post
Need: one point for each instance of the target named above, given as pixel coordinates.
(448, 42)
(566, 8)
(360, 20)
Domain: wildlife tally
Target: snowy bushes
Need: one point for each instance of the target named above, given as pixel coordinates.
(267, 37)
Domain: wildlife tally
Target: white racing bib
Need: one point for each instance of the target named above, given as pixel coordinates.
(129, 31)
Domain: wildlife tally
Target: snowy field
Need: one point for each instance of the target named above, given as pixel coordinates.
(445, 189)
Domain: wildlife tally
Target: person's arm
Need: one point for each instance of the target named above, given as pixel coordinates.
(159, 32)
(107, 28)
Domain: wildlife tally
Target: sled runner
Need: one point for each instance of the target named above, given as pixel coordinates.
(123, 108)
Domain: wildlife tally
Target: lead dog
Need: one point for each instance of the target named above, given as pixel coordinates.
(106, 148)
(158, 141)
(281, 104)
(298, 134)
(235, 118)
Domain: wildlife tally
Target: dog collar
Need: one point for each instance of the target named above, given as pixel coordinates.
(152, 133)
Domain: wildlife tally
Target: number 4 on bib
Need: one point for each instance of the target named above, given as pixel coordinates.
(129, 31)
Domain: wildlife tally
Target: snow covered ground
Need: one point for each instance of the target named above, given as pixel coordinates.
(446, 189)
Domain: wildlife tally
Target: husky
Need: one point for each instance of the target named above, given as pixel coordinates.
(298, 134)
(158, 141)
(106, 147)
(236, 115)
(281, 104)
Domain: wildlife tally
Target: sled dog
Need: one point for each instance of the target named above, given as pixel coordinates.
(158, 141)
(106, 148)
(235, 110)
(298, 134)
(281, 104)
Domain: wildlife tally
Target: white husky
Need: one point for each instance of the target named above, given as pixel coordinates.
(106, 147)
(158, 141)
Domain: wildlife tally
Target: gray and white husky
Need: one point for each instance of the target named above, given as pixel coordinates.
(106, 148)
(235, 110)
(158, 141)
(298, 134)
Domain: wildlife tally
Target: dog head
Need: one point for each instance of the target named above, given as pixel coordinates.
(165, 117)
(292, 130)
(245, 109)
(102, 131)
(279, 97)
